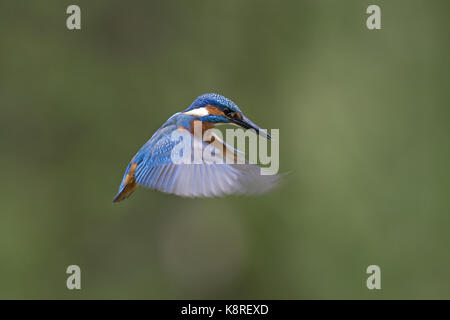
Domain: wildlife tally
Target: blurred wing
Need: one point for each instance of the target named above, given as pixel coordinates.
(207, 179)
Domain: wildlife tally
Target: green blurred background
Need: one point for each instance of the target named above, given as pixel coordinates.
(364, 128)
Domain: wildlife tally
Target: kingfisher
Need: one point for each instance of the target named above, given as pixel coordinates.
(153, 165)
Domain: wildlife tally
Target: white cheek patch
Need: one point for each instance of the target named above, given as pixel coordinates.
(199, 112)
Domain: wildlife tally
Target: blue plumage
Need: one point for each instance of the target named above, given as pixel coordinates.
(152, 166)
(213, 99)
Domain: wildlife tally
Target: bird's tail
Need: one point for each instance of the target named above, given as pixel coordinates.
(125, 192)
(128, 184)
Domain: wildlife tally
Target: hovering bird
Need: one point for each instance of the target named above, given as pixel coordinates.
(153, 167)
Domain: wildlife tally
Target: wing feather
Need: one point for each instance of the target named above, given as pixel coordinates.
(207, 179)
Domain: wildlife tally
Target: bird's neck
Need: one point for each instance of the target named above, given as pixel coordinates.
(196, 123)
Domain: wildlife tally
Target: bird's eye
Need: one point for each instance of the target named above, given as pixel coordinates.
(226, 111)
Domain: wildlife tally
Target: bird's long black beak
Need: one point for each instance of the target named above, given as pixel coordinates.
(247, 124)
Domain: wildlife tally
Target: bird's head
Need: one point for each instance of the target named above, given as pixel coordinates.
(214, 108)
